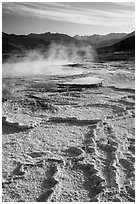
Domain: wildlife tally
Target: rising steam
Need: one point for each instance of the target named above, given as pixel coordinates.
(39, 62)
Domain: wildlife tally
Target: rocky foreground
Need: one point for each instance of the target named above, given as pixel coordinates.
(69, 142)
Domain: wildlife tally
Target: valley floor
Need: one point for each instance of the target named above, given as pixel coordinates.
(65, 144)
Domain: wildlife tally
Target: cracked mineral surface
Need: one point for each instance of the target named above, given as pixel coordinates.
(70, 137)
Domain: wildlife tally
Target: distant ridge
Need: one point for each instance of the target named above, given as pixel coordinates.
(97, 40)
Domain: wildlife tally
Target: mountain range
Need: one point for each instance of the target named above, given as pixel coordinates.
(112, 42)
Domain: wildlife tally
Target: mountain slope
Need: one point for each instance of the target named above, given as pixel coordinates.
(9, 43)
(125, 44)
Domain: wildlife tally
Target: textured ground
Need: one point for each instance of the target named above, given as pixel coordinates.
(64, 143)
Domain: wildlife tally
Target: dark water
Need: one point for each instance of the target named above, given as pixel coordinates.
(11, 128)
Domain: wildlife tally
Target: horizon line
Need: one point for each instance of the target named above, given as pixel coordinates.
(67, 34)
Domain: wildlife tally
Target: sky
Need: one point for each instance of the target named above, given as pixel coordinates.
(72, 18)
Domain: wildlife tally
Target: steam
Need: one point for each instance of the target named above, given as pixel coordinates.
(50, 62)
(71, 52)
